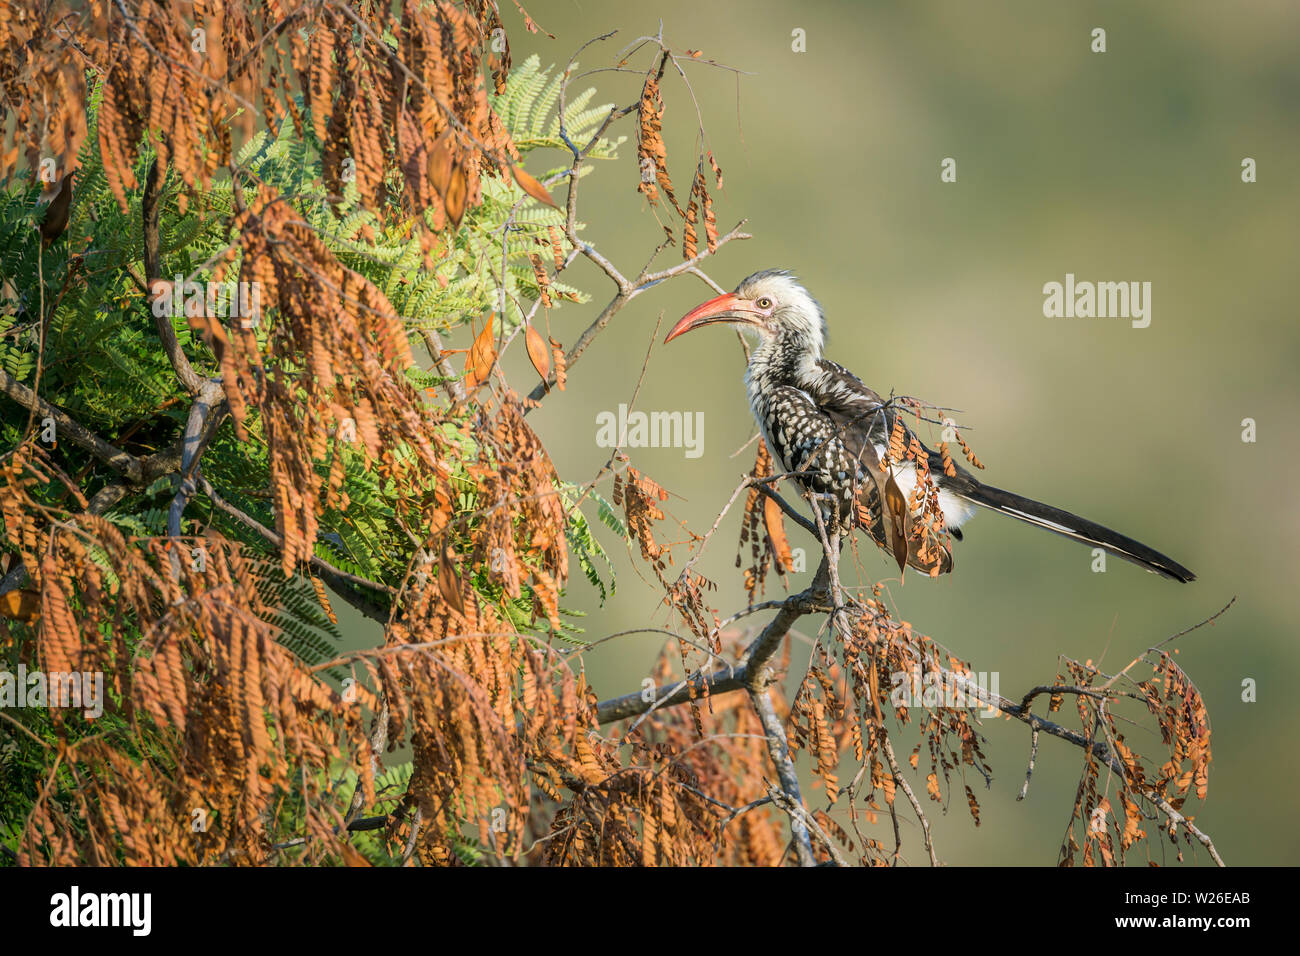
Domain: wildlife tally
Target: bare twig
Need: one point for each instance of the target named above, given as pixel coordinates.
(795, 809)
(627, 289)
(1033, 758)
(452, 383)
(901, 781)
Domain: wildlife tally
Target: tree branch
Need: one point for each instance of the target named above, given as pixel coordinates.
(724, 679)
(778, 750)
(452, 383)
(137, 471)
(341, 582)
(754, 676)
(627, 289)
(151, 203)
(124, 462)
(205, 417)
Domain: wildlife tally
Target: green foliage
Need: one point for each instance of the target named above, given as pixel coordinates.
(103, 363)
(78, 326)
(529, 107)
(582, 542)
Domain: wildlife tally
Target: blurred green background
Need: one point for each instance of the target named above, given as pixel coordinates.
(1116, 167)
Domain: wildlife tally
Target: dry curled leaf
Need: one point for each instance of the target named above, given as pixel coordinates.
(441, 160)
(651, 152)
(482, 355)
(323, 596)
(949, 468)
(895, 512)
(774, 521)
(457, 195)
(449, 582)
(529, 184)
(21, 605)
(543, 280)
(538, 353)
(557, 246)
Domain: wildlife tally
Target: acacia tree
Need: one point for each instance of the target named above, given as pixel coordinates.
(188, 484)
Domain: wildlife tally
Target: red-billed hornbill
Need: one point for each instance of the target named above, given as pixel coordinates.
(821, 422)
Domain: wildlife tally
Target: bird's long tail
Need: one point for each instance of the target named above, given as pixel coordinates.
(1072, 526)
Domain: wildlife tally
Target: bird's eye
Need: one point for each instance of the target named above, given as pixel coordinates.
(764, 303)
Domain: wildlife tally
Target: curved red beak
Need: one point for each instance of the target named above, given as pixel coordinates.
(728, 307)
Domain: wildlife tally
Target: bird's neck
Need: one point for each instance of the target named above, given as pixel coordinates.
(780, 361)
(787, 360)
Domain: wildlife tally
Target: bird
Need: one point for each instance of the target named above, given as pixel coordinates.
(58, 204)
(832, 433)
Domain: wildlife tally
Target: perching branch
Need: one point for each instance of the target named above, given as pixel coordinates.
(753, 675)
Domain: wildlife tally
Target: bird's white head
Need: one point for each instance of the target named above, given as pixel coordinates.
(773, 304)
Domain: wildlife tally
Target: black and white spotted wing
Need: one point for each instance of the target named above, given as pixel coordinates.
(826, 457)
(835, 436)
